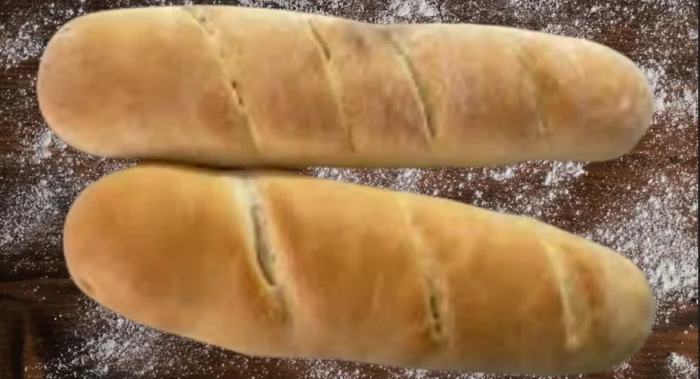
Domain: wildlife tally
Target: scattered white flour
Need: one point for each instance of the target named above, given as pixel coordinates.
(47, 190)
(402, 11)
(25, 35)
(668, 104)
(323, 369)
(653, 222)
(682, 367)
(536, 196)
(109, 344)
(21, 35)
(622, 371)
(656, 233)
(104, 351)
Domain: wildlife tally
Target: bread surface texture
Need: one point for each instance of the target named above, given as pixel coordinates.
(236, 86)
(284, 265)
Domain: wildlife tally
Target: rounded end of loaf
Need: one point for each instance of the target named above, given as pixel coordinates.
(137, 83)
(582, 307)
(630, 104)
(631, 307)
(609, 308)
(597, 104)
(162, 247)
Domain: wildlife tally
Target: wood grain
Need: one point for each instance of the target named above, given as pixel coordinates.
(47, 329)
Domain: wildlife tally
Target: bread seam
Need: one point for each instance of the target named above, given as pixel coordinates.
(419, 90)
(574, 310)
(326, 59)
(199, 16)
(435, 303)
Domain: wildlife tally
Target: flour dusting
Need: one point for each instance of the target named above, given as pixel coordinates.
(682, 367)
(622, 371)
(21, 36)
(651, 222)
(111, 345)
(655, 234)
(48, 189)
(405, 11)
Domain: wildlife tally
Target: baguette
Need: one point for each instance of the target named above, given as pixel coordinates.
(234, 86)
(283, 265)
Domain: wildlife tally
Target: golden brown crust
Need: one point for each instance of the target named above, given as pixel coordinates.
(587, 95)
(286, 265)
(146, 96)
(375, 89)
(150, 264)
(236, 86)
(284, 86)
(474, 91)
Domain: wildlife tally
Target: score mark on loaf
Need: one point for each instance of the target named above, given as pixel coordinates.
(233, 86)
(284, 265)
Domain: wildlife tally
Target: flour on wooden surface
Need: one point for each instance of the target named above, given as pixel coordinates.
(682, 367)
(111, 345)
(670, 105)
(21, 36)
(653, 231)
(24, 37)
(402, 11)
(655, 234)
(622, 371)
(51, 180)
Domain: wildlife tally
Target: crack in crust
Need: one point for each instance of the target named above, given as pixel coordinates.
(265, 254)
(574, 309)
(320, 41)
(325, 52)
(435, 302)
(525, 61)
(200, 17)
(234, 87)
(434, 306)
(419, 89)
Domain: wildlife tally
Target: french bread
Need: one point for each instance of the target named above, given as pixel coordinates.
(235, 86)
(285, 265)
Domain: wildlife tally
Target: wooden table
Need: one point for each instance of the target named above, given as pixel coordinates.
(49, 330)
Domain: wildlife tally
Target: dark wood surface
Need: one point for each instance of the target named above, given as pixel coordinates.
(48, 329)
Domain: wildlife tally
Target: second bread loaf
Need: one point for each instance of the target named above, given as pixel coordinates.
(291, 266)
(234, 86)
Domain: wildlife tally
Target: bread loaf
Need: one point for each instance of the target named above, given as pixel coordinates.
(284, 265)
(233, 86)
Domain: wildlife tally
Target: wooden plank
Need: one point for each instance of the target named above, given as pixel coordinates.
(49, 330)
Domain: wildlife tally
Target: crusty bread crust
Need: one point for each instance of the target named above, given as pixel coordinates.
(234, 86)
(290, 266)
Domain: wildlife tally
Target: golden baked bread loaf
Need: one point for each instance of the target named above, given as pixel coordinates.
(234, 86)
(285, 265)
